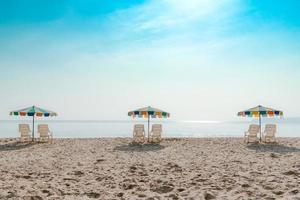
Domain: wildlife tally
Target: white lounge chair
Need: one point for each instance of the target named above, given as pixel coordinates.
(251, 134)
(25, 131)
(269, 133)
(139, 133)
(155, 134)
(45, 133)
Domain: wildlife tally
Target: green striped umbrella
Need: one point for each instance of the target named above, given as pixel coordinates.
(259, 112)
(148, 112)
(33, 112)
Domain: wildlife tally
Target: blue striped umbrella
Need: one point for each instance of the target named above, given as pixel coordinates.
(33, 112)
(149, 112)
(260, 111)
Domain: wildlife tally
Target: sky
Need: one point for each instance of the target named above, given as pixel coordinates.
(197, 59)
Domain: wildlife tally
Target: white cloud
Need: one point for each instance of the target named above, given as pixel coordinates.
(160, 15)
(195, 7)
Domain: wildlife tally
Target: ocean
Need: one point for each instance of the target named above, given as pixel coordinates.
(98, 129)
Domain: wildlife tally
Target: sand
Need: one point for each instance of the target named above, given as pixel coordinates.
(219, 168)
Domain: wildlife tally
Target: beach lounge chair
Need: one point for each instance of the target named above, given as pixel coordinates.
(251, 134)
(155, 134)
(269, 133)
(25, 131)
(139, 133)
(45, 133)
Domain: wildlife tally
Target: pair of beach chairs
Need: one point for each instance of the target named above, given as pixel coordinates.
(139, 134)
(44, 133)
(268, 134)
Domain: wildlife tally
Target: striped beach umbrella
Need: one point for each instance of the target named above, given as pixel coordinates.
(33, 112)
(259, 112)
(148, 112)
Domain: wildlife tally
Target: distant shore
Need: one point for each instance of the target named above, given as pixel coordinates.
(178, 168)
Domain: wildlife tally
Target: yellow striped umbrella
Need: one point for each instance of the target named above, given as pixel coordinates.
(259, 112)
(32, 112)
(148, 112)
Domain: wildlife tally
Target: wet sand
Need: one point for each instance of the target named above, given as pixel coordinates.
(215, 168)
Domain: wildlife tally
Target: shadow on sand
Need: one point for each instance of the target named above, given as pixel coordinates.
(139, 147)
(15, 146)
(275, 148)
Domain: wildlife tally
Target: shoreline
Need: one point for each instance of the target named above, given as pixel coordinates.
(163, 139)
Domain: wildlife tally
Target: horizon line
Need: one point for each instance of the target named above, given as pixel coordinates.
(127, 121)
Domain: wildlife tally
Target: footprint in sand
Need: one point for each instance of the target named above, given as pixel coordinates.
(128, 184)
(23, 176)
(78, 173)
(208, 196)
(46, 192)
(278, 192)
(162, 189)
(294, 192)
(93, 195)
(120, 194)
(291, 173)
(99, 161)
(32, 198)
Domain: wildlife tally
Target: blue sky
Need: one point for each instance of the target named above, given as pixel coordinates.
(198, 59)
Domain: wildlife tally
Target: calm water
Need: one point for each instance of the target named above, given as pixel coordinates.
(91, 129)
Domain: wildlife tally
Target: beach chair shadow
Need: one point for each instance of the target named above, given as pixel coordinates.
(274, 148)
(139, 147)
(15, 146)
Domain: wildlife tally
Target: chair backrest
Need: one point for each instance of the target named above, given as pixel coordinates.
(253, 129)
(270, 129)
(139, 130)
(43, 130)
(156, 129)
(24, 129)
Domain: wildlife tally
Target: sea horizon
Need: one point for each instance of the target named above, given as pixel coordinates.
(287, 127)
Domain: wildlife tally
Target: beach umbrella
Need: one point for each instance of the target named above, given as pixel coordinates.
(33, 112)
(259, 112)
(148, 112)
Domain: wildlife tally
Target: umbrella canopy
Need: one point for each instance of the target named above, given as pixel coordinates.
(33, 112)
(260, 111)
(148, 112)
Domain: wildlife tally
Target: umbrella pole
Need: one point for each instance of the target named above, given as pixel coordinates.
(148, 128)
(260, 127)
(33, 128)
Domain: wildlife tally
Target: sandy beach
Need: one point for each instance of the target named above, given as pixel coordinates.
(219, 168)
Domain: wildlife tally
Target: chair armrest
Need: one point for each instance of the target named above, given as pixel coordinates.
(50, 134)
(263, 134)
